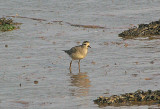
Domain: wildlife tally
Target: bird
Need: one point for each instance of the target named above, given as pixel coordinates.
(78, 53)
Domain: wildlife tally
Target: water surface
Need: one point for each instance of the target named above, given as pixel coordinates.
(112, 66)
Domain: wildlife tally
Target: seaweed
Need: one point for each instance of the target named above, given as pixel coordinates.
(139, 97)
(7, 24)
(143, 30)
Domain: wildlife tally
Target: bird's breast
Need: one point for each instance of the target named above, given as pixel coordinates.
(79, 54)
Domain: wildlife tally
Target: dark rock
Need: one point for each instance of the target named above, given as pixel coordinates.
(139, 97)
(143, 30)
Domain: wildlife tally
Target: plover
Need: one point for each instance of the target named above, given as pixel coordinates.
(78, 52)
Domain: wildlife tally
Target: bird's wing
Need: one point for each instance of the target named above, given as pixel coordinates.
(74, 49)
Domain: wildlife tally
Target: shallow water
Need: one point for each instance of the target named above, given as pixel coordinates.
(112, 66)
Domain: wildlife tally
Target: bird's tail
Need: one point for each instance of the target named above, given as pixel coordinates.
(65, 51)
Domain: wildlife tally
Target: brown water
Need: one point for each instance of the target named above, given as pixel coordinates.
(112, 66)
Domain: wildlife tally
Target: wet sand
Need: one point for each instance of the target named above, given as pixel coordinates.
(112, 66)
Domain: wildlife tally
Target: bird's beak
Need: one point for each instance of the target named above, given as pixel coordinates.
(89, 46)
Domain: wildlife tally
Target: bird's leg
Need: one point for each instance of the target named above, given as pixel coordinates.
(70, 66)
(79, 65)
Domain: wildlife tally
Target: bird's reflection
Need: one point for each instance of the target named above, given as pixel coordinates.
(82, 82)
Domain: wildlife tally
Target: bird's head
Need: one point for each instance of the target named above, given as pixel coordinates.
(86, 44)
